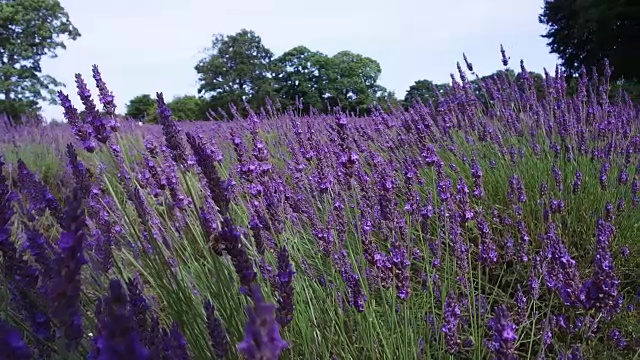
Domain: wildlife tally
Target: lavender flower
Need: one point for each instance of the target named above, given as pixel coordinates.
(117, 336)
(233, 244)
(81, 129)
(208, 165)
(577, 182)
(174, 345)
(217, 332)
(139, 306)
(82, 175)
(262, 333)
(284, 312)
(171, 132)
(12, 344)
(40, 198)
(106, 97)
(604, 170)
(451, 323)
(503, 335)
(101, 128)
(601, 291)
(516, 190)
(476, 174)
(65, 288)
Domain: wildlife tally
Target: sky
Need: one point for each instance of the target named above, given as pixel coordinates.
(149, 46)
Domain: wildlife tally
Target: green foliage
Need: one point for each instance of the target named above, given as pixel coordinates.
(387, 100)
(187, 107)
(239, 69)
(298, 74)
(425, 91)
(584, 32)
(29, 31)
(141, 107)
(236, 69)
(428, 92)
(352, 81)
(631, 88)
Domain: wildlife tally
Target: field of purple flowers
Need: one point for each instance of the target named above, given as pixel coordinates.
(505, 227)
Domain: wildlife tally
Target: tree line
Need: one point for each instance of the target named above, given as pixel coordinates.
(239, 69)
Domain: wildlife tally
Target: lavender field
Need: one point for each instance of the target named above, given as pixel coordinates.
(501, 227)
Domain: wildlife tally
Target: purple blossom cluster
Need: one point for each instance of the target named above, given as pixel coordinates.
(500, 226)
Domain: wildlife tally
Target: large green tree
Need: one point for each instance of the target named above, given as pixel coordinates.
(297, 76)
(425, 91)
(352, 81)
(236, 68)
(29, 31)
(388, 100)
(141, 107)
(346, 80)
(584, 32)
(187, 107)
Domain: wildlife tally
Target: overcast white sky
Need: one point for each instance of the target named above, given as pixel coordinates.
(144, 46)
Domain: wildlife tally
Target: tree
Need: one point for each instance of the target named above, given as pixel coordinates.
(536, 78)
(425, 91)
(351, 81)
(29, 31)
(387, 100)
(237, 68)
(346, 80)
(585, 32)
(141, 107)
(297, 74)
(187, 107)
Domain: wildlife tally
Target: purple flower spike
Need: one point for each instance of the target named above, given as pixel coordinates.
(171, 132)
(40, 198)
(208, 166)
(577, 182)
(233, 245)
(262, 332)
(217, 332)
(82, 130)
(117, 336)
(12, 345)
(505, 59)
(601, 291)
(285, 288)
(504, 335)
(65, 287)
(450, 323)
(175, 345)
(139, 306)
(106, 97)
(102, 128)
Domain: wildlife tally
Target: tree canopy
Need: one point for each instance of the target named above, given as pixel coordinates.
(352, 81)
(585, 32)
(141, 107)
(237, 68)
(29, 31)
(186, 107)
(297, 75)
(425, 91)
